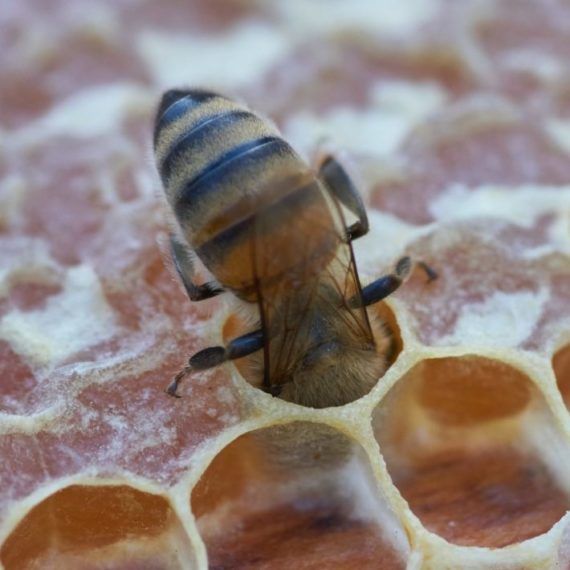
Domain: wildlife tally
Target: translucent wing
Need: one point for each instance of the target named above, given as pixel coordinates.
(305, 274)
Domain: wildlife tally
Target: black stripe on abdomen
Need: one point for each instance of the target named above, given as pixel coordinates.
(197, 138)
(272, 222)
(175, 104)
(213, 179)
(262, 221)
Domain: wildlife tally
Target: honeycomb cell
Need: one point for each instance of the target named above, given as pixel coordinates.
(391, 343)
(469, 443)
(561, 365)
(295, 488)
(90, 526)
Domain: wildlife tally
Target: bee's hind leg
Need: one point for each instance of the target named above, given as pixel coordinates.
(216, 355)
(185, 269)
(342, 188)
(386, 285)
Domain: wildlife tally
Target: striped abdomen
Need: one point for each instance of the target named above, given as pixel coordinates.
(245, 201)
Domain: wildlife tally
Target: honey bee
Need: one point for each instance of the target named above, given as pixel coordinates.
(272, 232)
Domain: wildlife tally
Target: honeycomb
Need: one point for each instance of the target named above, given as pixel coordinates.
(455, 119)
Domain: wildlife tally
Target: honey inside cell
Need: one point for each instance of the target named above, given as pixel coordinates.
(468, 391)
(464, 441)
(561, 365)
(87, 524)
(301, 487)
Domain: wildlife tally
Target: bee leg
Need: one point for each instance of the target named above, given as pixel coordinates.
(185, 269)
(342, 188)
(216, 355)
(431, 273)
(386, 285)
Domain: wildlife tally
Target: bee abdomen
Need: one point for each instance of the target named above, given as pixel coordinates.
(232, 181)
(212, 153)
(177, 103)
(235, 154)
(209, 143)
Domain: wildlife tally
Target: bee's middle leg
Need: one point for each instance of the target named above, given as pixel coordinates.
(216, 355)
(386, 285)
(342, 188)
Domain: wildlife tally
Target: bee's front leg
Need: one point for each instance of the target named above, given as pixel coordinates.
(216, 355)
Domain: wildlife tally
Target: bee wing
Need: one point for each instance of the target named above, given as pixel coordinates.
(305, 275)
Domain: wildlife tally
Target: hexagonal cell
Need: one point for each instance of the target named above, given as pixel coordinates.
(561, 365)
(384, 325)
(295, 495)
(474, 450)
(96, 527)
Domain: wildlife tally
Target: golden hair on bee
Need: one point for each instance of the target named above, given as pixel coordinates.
(272, 232)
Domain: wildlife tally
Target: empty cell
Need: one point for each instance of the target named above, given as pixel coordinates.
(98, 527)
(561, 365)
(473, 448)
(298, 495)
